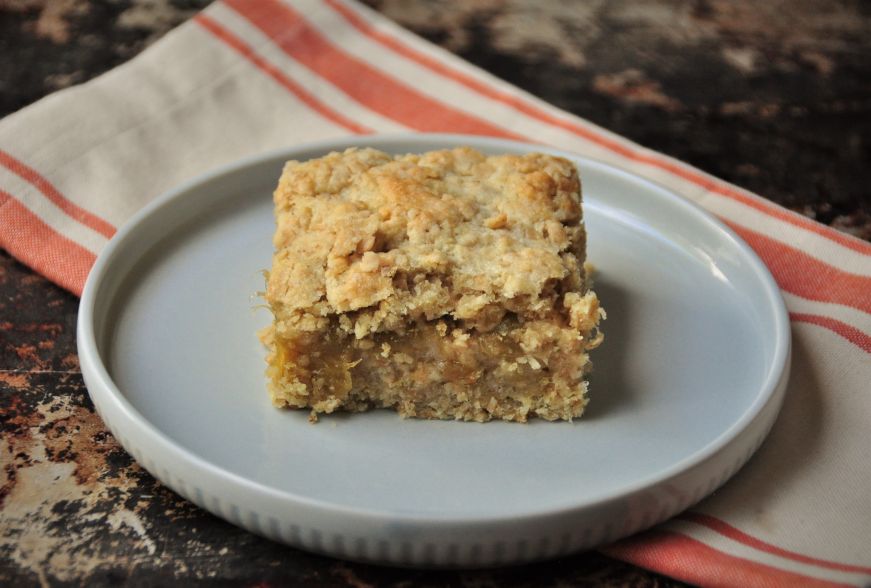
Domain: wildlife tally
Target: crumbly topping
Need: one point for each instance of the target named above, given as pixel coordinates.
(382, 241)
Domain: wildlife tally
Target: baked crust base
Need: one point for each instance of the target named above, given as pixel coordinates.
(437, 371)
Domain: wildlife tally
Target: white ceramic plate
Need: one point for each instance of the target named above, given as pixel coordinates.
(687, 384)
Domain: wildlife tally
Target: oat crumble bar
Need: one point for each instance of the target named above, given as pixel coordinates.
(446, 285)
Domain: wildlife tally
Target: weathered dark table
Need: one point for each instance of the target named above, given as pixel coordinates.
(775, 97)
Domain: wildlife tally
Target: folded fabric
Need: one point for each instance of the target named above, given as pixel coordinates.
(248, 76)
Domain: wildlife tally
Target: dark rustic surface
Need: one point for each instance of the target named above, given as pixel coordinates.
(774, 96)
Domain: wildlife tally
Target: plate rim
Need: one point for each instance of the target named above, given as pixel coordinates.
(102, 388)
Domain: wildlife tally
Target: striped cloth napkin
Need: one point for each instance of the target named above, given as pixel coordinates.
(247, 76)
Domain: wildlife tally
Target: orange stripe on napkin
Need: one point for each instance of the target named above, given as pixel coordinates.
(308, 99)
(692, 561)
(588, 133)
(731, 532)
(31, 241)
(803, 275)
(48, 190)
(378, 92)
(848, 332)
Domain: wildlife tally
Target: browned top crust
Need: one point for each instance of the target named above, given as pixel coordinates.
(381, 241)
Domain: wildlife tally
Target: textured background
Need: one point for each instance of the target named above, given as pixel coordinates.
(775, 97)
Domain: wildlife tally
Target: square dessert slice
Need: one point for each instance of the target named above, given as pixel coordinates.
(445, 285)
